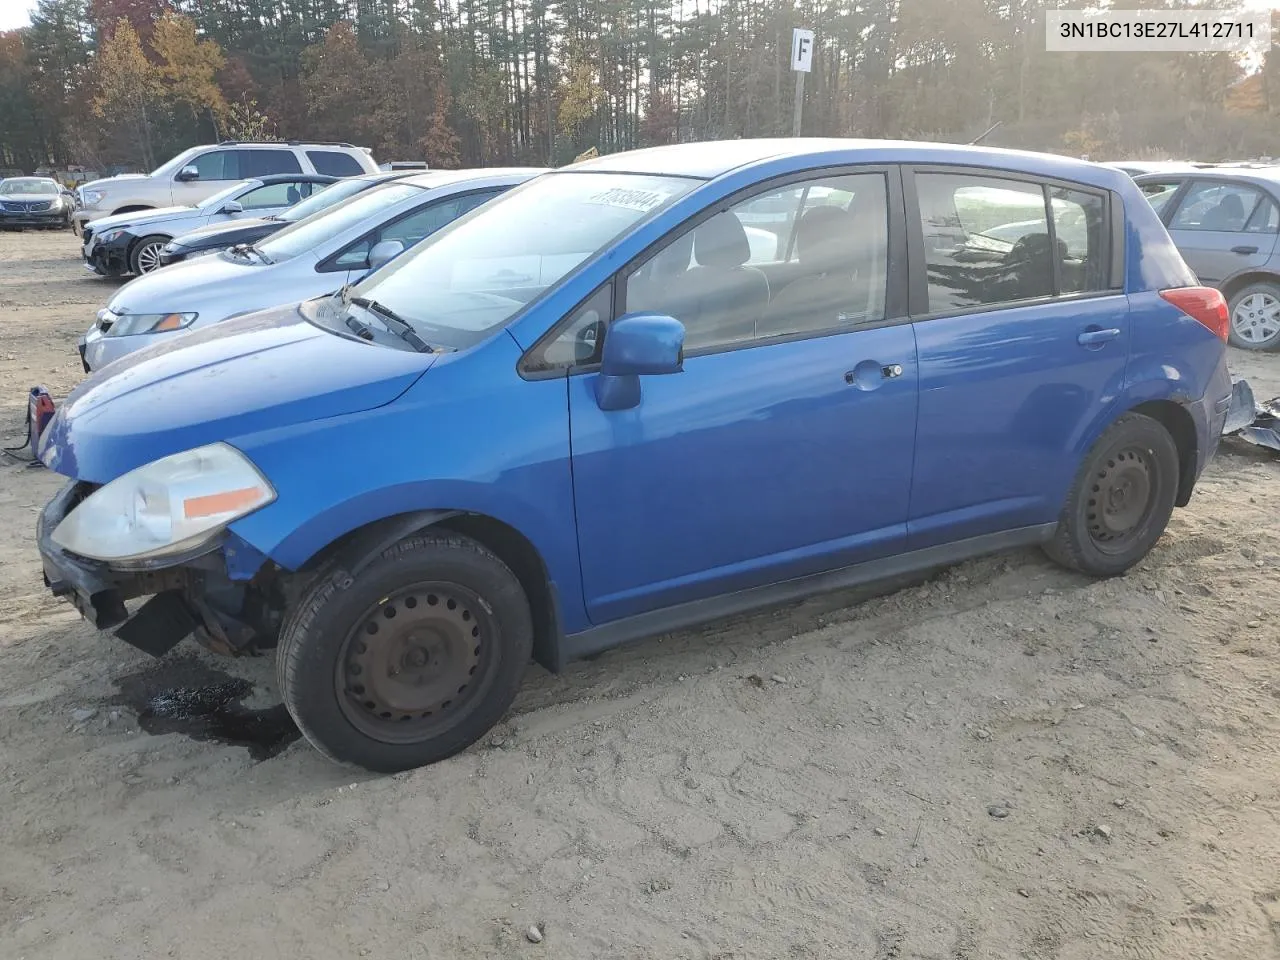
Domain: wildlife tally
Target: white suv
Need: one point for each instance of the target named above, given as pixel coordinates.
(198, 173)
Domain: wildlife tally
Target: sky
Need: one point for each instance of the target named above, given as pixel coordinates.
(15, 13)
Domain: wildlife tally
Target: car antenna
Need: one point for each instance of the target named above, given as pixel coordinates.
(985, 133)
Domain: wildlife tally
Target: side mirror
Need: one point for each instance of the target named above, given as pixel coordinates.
(232, 206)
(384, 251)
(636, 345)
(189, 172)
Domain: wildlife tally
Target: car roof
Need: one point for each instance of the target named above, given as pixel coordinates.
(717, 158)
(441, 178)
(294, 178)
(1260, 176)
(36, 179)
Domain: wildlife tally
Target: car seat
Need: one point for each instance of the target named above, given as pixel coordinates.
(721, 298)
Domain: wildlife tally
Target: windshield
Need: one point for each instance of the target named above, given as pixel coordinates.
(28, 186)
(475, 274)
(175, 164)
(319, 227)
(324, 198)
(211, 204)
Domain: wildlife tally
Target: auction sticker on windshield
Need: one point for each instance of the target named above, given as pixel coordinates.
(628, 198)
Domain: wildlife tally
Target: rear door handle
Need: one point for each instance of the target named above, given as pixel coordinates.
(1244, 250)
(1090, 338)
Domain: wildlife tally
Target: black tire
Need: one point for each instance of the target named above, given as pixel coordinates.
(144, 255)
(1254, 317)
(1121, 500)
(448, 593)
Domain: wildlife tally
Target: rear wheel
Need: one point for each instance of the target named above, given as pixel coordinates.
(145, 255)
(411, 662)
(1255, 317)
(1121, 500)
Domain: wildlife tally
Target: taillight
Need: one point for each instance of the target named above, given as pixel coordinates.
(1204, 304)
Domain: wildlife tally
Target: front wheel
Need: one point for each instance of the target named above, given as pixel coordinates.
(1121, 500)
(145, 256)
(1255, 317)
(413, 661)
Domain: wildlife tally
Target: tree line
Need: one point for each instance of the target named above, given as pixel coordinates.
(472, 82)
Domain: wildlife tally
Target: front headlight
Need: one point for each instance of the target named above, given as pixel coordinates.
(92, 198)
(128, 324)
(110, 235)
(174, 505)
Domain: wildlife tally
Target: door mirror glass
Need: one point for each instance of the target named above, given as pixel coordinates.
(384, 251)
(189, 172)
(232, 206)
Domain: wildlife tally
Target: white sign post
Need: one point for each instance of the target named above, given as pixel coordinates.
(801, 63)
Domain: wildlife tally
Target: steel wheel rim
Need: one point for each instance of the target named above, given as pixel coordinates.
(1121, 499)
(149, 257)
(1256, 318)
(415, 662)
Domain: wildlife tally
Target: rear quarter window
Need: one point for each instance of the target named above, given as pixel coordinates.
(334, 163)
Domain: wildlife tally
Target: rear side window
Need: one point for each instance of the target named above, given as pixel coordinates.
(333, 163)
(1080, 225)
(1224, 207)
(261, 163)
(990, 241)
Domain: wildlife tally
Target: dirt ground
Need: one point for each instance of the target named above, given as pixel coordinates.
(1004, 761)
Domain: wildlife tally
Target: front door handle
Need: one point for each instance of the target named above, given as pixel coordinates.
(1097, 337)
(869, 374)
(1244, 251)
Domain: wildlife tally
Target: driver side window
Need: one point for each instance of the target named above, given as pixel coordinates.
(217, 165)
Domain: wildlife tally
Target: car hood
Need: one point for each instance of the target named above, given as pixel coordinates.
(104, 183)
(140, 218)
(232, 232)
(259, 372)
(186, 286)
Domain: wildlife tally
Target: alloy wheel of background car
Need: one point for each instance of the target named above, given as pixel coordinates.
(1255, 317)
(1121, 500)
(146, 254)
(377, 675)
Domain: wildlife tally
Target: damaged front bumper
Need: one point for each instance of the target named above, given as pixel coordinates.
(226, 597)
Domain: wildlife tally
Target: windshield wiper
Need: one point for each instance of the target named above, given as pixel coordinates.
(394, 323)
(247, 250)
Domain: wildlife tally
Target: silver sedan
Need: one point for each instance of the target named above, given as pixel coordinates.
(308, 259)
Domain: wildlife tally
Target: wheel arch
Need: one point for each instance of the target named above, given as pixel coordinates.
(1175, 418)
(1237, 282)
(356, 548)
(132, 208)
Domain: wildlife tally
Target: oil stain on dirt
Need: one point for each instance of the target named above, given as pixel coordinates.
(188, 697)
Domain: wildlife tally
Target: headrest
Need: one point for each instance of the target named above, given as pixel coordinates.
(823, 232)
(721, 242)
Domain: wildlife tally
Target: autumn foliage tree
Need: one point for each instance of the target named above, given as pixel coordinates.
(128, 90)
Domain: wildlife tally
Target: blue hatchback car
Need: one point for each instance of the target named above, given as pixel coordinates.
(639, 393)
